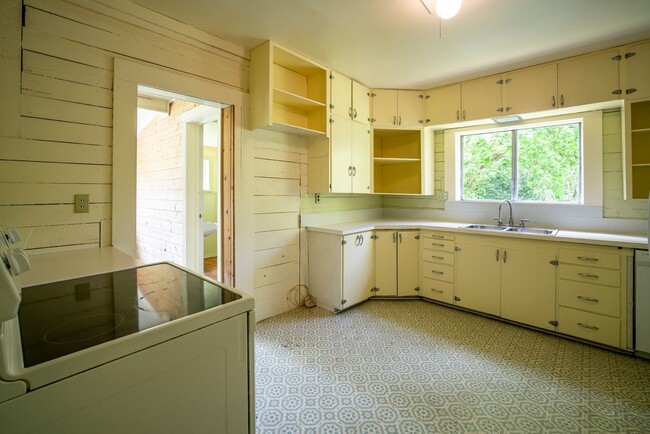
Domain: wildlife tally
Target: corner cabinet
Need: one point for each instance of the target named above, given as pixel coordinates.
(341, 269)
(289, 92)
(397, 108)
(397, 265)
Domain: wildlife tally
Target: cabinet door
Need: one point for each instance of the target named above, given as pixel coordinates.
(637, 71)
(360, 103)
(588, 79)
(341, 94)
(443, 105)
(358, 268)
(341, 154)
(478, 277)
(408, 263)
(481, 98)
(410, 108)
(384, 108)
(386, 262)
(528, 285)
(361, 158)
(530, 90)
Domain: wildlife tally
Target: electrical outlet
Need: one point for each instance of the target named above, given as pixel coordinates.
(317, 198)
(81, 203)
(82, 291)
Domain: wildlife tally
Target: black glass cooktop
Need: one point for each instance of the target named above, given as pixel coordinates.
(61, 318)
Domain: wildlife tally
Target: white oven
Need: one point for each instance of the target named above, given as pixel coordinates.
(153, 348)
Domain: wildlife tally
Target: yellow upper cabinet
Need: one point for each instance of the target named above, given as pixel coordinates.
(349, 98)
(529, 90)
(588, 79)
(442, 105)
(397, 108)
(635, 71)
(288, 91)
(481, 99)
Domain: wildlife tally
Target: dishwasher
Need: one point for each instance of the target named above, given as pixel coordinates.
(642, 303)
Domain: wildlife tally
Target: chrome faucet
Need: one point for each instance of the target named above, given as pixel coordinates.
(498, 219)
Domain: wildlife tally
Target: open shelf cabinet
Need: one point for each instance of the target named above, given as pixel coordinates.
(397, 161)
(638, 150)
(289, 92)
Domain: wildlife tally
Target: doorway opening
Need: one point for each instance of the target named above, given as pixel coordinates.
(184, 204)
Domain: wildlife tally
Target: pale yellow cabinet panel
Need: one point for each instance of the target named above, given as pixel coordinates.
(478, 276)
(530, 90)
(289, 92)
(589, 326)
(397, 108)
(437, 266)
(341, 94)
(588, 79)
(358, 268)
(443, 105)
(528, 284)
(481, 99)
(360, 103)
(635, 71)
(408, 263)
(385, 263)
(350, 156)
(361, 158)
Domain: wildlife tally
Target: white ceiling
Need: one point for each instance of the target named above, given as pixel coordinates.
(398, 44)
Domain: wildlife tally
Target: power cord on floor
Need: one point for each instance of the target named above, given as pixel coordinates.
(295, 296)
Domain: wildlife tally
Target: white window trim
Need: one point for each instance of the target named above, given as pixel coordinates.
(592, 156)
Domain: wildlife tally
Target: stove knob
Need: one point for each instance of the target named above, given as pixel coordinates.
(18, 261)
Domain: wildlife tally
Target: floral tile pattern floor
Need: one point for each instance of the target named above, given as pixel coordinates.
(417, 367)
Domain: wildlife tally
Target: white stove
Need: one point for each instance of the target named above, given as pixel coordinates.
(154, 346)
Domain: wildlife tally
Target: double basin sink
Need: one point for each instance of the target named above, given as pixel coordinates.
(534, 231)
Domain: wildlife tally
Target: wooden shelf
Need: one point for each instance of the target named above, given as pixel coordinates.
(293, 129)
(291, 99)
(392, 161)
(641, 130)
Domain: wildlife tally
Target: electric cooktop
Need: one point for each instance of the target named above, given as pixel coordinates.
(64, 317)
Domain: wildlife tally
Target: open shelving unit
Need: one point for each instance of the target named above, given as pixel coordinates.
(289, 92)
(397, 161)
(639, 150)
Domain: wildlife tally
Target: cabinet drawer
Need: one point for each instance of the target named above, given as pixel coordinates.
(437, 290)
(597, 276)
(590, 326)
(438, 271)
(605, 300)
(590, 258)
(445, 245)
(442, 257)
(438, 235)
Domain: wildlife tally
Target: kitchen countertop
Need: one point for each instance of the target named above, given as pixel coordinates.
(603, 239)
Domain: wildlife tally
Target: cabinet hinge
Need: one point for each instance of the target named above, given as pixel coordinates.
(617, 58)
(417, 237)
(499, 81)
(343, 242)
(331, 120)
(372, 94)
(417, 289)
(457, 249)
(553, 323)
(630, 90)
(332, 106)
(617, 92)
(332, 77)
(630, 54)
(456, 298)
(374, 237)
(374, 289)
(554, 262)
(343, 301)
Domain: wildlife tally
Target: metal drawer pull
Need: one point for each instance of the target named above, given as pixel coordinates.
(588, 275)
(587, 326)
(437, 290)
(440, 258)
(437, 244)
(588, 258)
(437, 272)
(439, 237)
(595, 300)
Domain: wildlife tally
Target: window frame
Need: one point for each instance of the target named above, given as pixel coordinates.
(591, 157)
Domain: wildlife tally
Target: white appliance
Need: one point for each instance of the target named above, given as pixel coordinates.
(153, 348)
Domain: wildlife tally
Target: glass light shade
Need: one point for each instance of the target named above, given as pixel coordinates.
(447, 8)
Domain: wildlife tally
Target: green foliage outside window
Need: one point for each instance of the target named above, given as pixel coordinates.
(547, 165)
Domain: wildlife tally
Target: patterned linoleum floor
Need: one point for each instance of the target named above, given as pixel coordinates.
(416, 367)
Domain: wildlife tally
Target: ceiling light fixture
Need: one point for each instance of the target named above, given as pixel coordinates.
(446, 9)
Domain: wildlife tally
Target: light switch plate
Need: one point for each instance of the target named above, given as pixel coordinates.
(81, 203)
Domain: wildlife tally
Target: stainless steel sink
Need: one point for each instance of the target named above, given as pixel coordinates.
(532, 231)
(486, 227)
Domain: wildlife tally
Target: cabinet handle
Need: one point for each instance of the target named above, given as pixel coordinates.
(505, 256)
(588, 275)
(500, 109)
(349, 170)
(400, 237)
(630, 54)
(350, 112)
(394, 120)
(617, 92)
(463, 114)
(437, 291)
(400, 120)
(355, 113)
(394, 237)
(354, 170)
(562, 100)
(457, 115)
(553, 101)
(439, 258)
(438, 237)
(595, 300)
(361, 238)
(437, 272)
(587, 258)
(630, 90)
(587, 326)
(497, 255)
(438, 244)
(508, 109)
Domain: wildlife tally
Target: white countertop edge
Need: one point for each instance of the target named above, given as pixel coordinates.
(616, 240)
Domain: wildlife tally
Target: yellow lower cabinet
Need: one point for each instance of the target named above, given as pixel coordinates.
(604, 300)
(437, 266)
(590, 326)
(437, 290)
